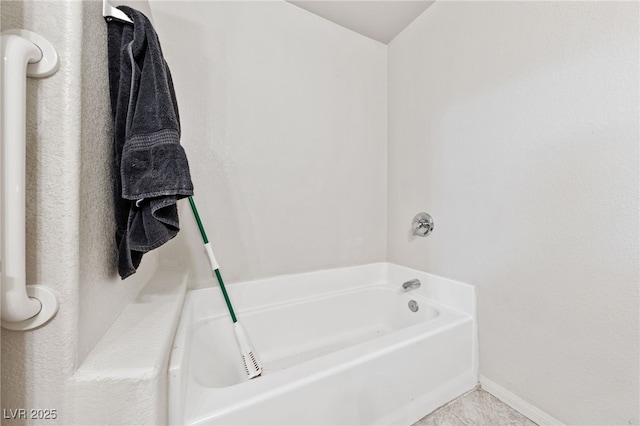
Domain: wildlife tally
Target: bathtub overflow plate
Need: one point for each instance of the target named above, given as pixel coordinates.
(413, 305)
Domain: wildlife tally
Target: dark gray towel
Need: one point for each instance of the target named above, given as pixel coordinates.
(151, 171)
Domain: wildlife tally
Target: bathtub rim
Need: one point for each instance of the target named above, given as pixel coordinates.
(451, 293)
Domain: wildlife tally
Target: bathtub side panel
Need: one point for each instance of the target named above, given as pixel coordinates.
(399, 386)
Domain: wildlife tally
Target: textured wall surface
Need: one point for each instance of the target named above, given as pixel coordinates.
(102, 293)
(35, 364)
(515, 124)
(284, 122)
(69, 215)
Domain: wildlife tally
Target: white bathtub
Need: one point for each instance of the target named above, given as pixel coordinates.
(338, 347)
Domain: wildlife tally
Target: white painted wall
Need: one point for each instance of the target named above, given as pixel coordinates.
(515, 124)
(284, 122)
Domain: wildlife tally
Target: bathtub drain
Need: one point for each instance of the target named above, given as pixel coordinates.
(413, 305)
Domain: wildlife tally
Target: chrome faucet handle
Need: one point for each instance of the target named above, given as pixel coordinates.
(422, 224)
(411, 284)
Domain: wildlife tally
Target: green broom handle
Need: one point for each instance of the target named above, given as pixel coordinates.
(194, 209)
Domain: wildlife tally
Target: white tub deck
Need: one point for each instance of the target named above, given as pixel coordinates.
(338, 347)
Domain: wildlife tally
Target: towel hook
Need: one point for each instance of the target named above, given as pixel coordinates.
(110, 13)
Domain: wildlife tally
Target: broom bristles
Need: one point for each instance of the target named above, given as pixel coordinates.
(251, 364)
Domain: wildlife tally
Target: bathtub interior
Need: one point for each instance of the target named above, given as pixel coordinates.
(298, 331)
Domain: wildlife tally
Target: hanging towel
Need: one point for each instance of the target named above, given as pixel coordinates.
(151, 171)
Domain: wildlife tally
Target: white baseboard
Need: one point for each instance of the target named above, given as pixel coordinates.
(518, 404)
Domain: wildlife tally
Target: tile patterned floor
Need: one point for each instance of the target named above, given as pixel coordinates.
(475, 408)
